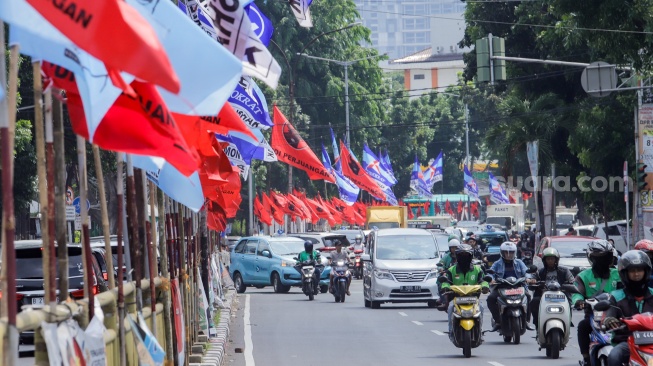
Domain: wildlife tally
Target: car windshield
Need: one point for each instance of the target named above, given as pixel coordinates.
(287, 247)
(571, 249)
(29, 263)
(442, 242)
(493, 239)
(503, 221)
(565, 220)
(405, 247)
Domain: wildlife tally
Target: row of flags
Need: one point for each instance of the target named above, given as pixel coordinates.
(448, 208)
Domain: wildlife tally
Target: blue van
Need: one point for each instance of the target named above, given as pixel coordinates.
(261, 261)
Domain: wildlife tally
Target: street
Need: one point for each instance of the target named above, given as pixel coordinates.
(287, 329)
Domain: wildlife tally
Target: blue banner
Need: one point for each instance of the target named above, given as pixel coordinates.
(336, 153)
(250, 104)
(471, 189)
(433, 173)
(372, 166)
(497, 193)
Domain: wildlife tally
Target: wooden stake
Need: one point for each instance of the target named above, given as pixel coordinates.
(151, 253)
(105, 215)
(86, 242)
(121, 271)
(132, 224)
(167, 314)
(60, 199)
(49, 154)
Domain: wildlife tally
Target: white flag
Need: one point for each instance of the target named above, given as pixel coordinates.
(302, 12)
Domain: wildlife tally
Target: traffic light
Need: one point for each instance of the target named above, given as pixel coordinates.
(483, 59)
(641, 177)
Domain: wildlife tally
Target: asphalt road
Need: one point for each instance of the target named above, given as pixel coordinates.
(286, 329)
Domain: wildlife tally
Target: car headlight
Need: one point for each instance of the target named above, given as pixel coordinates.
(383, 274)
(433, 274)
(287, 264)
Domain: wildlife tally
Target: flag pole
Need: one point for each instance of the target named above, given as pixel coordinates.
(59, 197)
(7, 132)
(49, 153)
(165, 236)
(132, 222)
(121, 272)
(105, 214)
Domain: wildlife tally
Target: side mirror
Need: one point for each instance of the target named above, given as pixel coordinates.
(295, 258)
(366, 258)
(442, 279)
(602, 305)
(487, 278)
(266, 253)
(489, 271)
(532, 269)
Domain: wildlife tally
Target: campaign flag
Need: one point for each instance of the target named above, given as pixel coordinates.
(353, 170)
(346, 188)
(417, 181)
(262, 26)
(336, 155)
(263, 214)
(183, 189)
(372, 166)
(234, 155)
(116, 34)
(250, 104)
(302, 12)
(200, 16)
(264, 151)
(276, 213)
(471, 189)
(497, 193)
(387, 164)
(236, 33)
(193, 57)
(293, 150)
(231, 193)
(433, 173)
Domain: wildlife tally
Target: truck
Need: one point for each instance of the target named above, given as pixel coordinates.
(438, 221)
(566, 217)
(385, 217)
(510, 217)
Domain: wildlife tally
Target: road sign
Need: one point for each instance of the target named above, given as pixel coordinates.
(598, 77)
(70, 213)
(78, 222)
(77, 206)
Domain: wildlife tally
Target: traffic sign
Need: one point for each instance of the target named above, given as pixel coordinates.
(70, 213)
(77, 206)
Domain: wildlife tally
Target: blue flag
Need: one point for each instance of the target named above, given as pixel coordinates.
(250, 104)
(417, 181)
(325, 159)
(471, 189)
(387, 164)
(372, 165)
(262, 26)
(234, 155)
(207, 71)
(336, 153)
(433, 173)
(497, 193)
(346, 188)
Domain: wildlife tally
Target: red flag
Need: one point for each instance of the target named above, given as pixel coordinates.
(437, 209)
(511, 199)
(427, 207)
(116, 34)
(300, 209)
(276, 212)
(487, 201)
(460, 206)
(293, 150)
(227, 120)
(215, 216)
(281, 202)
(475, 209)
(447, 207)
(231, 193)
(410, 213)
(314, 216)
(352, 169)
(262, 214)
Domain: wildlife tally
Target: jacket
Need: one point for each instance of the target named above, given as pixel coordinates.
(472, 277)
(499, 268)
(447, 261)
(303, 256)
(589, 285)
(629, 307)
(564, 277)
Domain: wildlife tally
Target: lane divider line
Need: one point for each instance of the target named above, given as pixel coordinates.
(249, 344)
(494, 363)
(402, 313)
(417, 323)
(437, 332)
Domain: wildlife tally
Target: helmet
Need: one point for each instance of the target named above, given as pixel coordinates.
(508, 251)
(454, 243)
(634, 259)
(644, 245)
(551, 252)
(359, 237)
(464, 255)
(464, 248)
(308, 246)
(599, 248)
(453, 236)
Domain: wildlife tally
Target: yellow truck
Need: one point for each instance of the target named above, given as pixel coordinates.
(386, 217)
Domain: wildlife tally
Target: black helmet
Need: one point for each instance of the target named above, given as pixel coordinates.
(599, 248)
(634, 259)
(464, 255)
(308, 246)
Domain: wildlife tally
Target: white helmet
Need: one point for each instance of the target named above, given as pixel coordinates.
(508, 251)
(454, 243)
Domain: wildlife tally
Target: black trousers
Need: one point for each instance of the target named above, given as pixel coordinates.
(584, 331)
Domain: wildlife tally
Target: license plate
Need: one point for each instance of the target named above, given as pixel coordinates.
(41, 301)
(514, 291)
(465, 300)
(555, 297)
(643, 337)
(410, 289)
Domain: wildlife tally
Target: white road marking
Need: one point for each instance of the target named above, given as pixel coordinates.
(417, 323)
(249, 344)
(494, 363)
(402, 313)
(437, 332)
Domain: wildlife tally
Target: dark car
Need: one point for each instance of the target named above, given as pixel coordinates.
(491, 243)
(99, 252)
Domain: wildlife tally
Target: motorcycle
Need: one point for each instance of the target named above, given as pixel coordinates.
(358, 264)
(467, 322)
(640, 342)
(513, 305)
(309, 283)
(600, 345)
(554, 317)
(341, 275)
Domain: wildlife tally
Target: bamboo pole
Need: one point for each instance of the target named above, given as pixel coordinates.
(60, 199)
(49, 153)
(151, 250)
(121, 273)
(140, 247)
(7, 132)
(86, 243)
(183, 275)
(172, 267)
(167, 318)
(105, 215)
(132, 224)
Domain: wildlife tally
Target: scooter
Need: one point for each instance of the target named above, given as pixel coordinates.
(358, 264)
(309, 283)
(341, 275)
(554, 317)
(466, 330)
(600, 345)
(513, 306)
(640, 342)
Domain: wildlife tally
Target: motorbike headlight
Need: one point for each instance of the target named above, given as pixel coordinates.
(383, 274)
(513, 302)
(467, 313)
(555, 309)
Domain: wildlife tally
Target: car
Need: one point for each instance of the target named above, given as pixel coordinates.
(442, 239)
(322, 240)
(261, 261)
(99, 251)
(350, 233)
(491, 242)
(572, 249)
(401, 267)
(30, 290)
(232, 241)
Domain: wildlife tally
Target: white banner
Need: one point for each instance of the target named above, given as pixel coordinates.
(532, 148)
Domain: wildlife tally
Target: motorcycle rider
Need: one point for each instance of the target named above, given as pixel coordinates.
(550, 272)
(463, 273)
(514, 236)
(507, 266)
(358, 242)
(646, 246)
(635, 298)
(478, 254)
(449, 259)
(335, 257)
(310, 254)
(600, 278)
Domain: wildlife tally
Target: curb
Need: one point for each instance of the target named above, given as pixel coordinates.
(217, 344)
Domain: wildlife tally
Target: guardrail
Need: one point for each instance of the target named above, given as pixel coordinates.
(30, 320)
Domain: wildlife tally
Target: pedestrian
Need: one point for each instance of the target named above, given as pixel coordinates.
(571, 232)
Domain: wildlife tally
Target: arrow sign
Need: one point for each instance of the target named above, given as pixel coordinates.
(78, 209)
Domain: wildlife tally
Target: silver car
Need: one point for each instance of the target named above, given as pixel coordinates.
(401, 267)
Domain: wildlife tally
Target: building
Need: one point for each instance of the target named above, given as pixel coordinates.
(404, 27)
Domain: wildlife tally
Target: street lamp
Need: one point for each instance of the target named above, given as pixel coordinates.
(346, 64)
